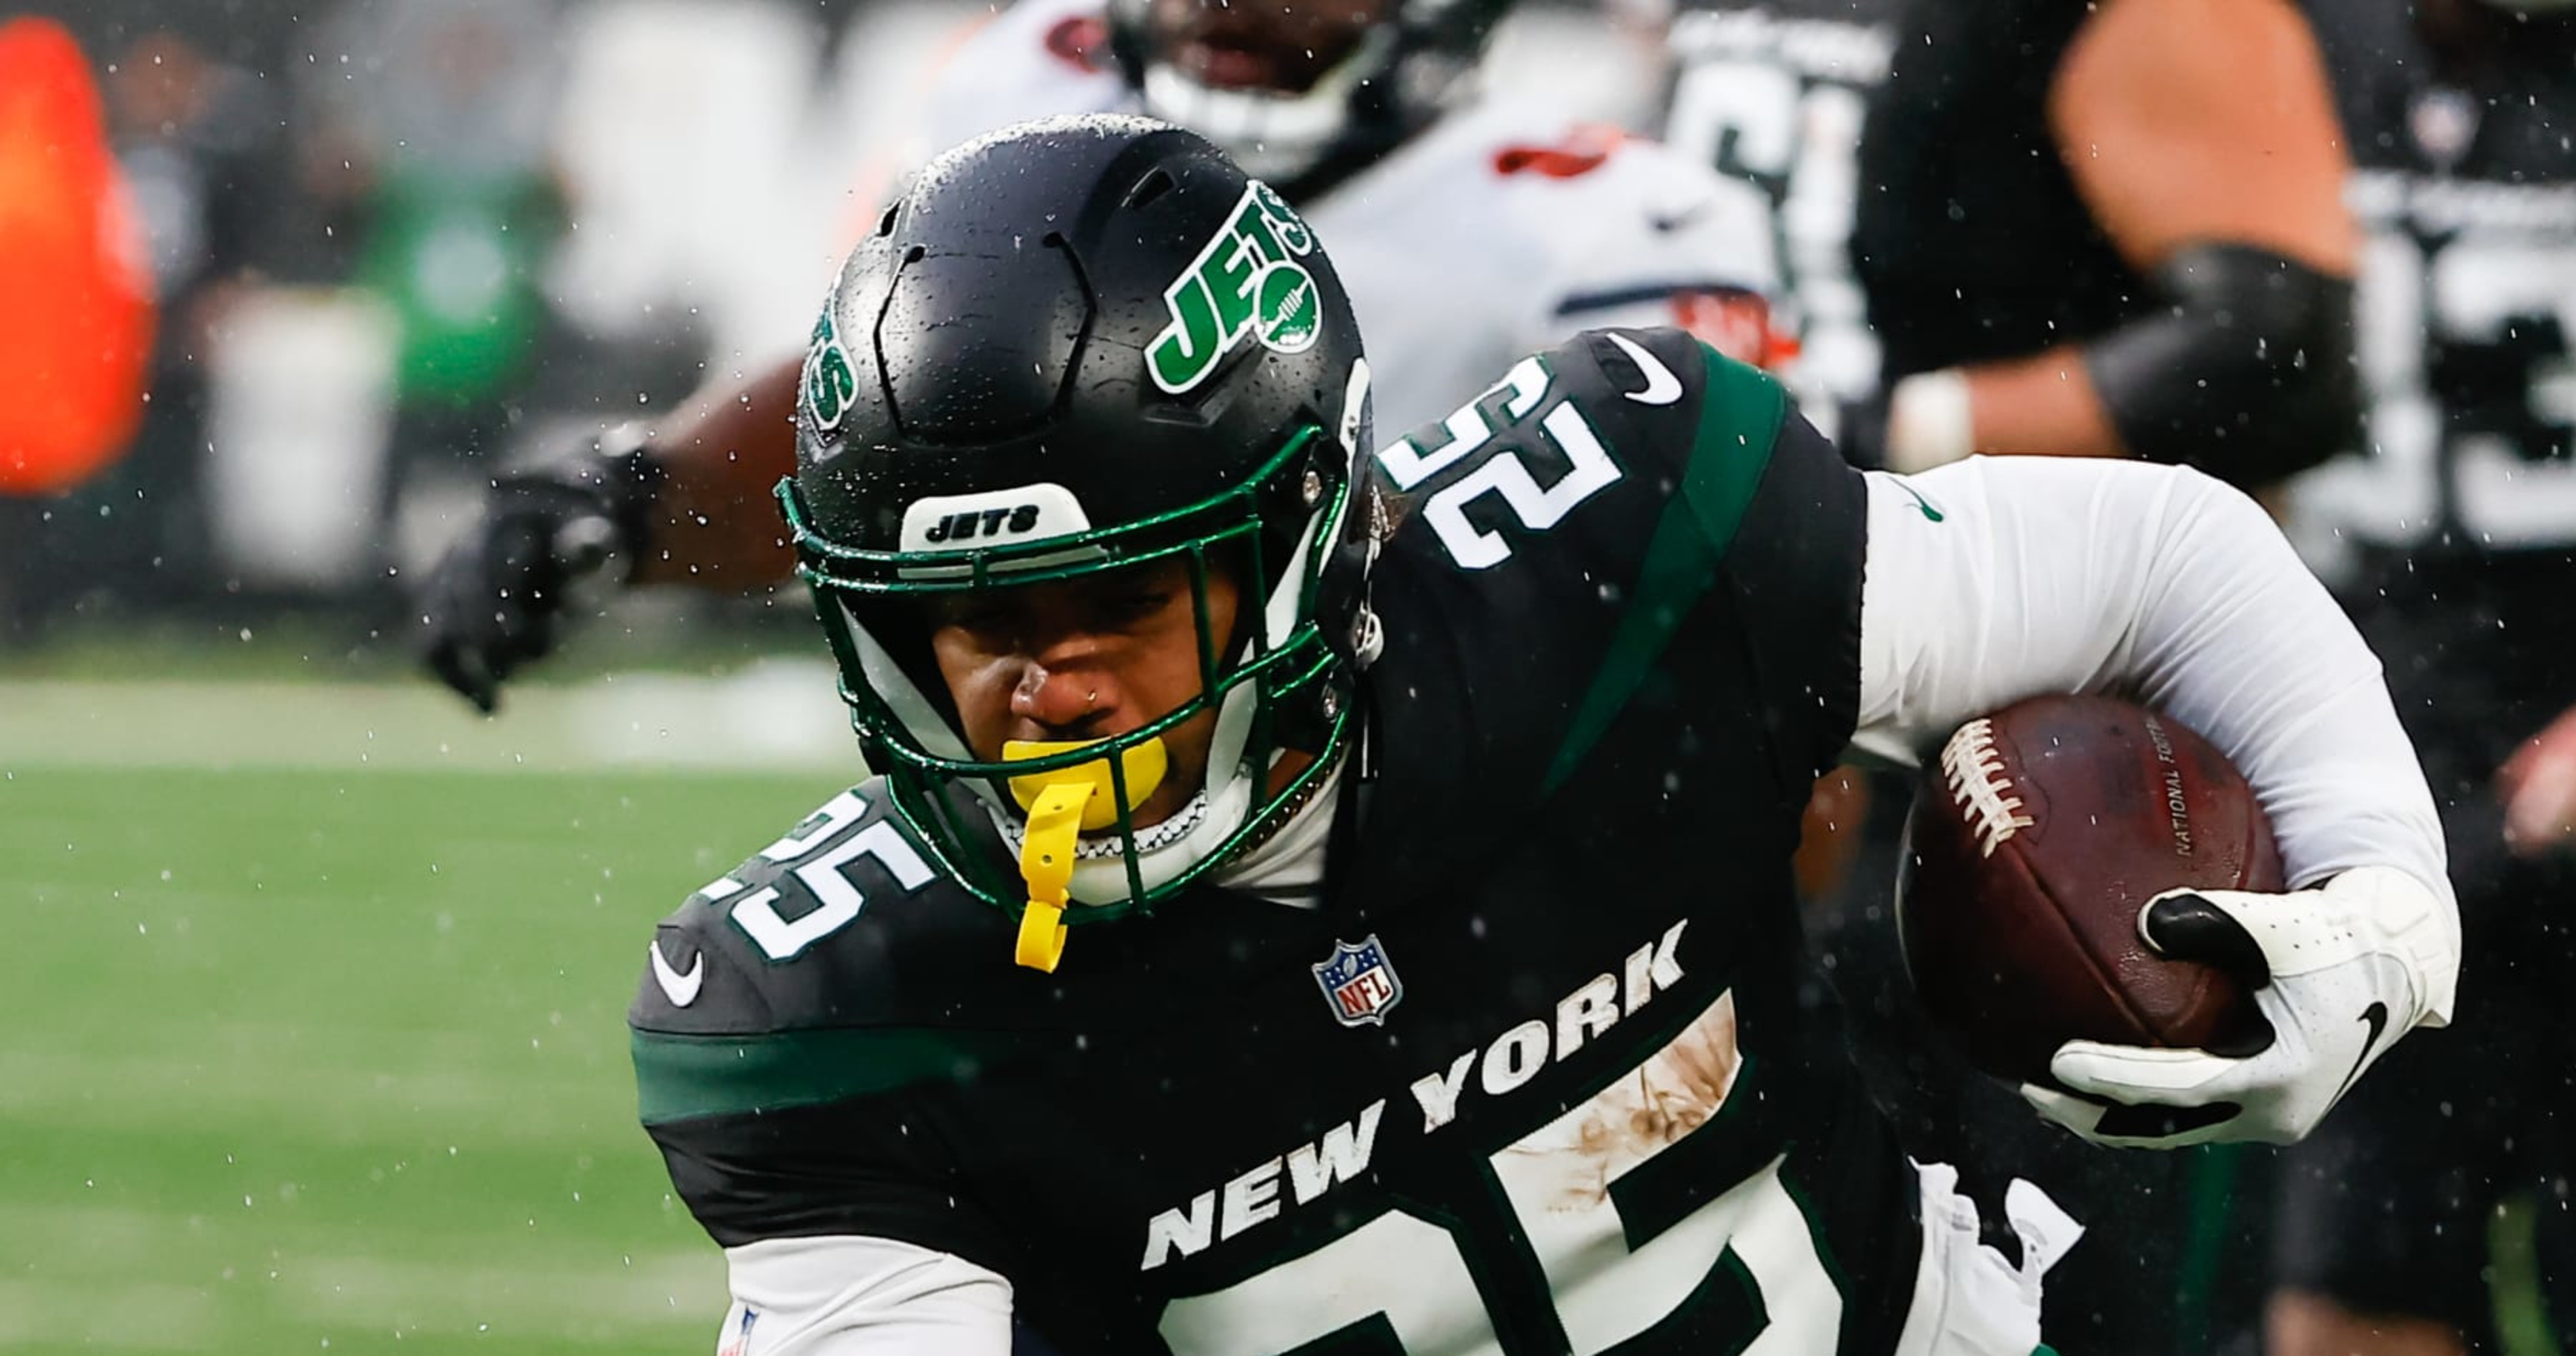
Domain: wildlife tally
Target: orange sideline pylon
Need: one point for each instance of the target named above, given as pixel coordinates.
(76, 308)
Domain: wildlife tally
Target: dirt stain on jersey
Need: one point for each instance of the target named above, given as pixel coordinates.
(1675, 1091)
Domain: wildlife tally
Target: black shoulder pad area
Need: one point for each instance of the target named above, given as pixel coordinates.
(810, 972)
(1574, 454)
(1627, 514)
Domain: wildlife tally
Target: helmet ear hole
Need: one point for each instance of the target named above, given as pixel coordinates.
(885, 224)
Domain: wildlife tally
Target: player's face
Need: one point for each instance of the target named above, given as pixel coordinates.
(1085, 658)
(1278, 46)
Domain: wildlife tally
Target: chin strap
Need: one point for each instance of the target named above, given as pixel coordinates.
(1060, 805)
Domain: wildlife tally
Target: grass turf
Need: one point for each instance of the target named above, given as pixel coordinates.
(304, 1061)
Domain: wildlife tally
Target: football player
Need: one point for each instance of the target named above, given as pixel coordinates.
(1313, 899)
(1470, 229)
(2430, 1219)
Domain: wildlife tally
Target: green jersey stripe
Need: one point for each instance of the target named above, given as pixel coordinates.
(681, 1078)
(1740, 413)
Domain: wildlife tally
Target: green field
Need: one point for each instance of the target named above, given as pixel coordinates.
(335, 1059)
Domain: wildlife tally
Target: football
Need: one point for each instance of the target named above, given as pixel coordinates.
(2034, 842)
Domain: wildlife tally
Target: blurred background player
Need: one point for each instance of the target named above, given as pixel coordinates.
(2110, 230)
(1373, 115)
(2033, 227)
(1774, 92)
(2072, 230)
(2432, 1215)
(1470, 226)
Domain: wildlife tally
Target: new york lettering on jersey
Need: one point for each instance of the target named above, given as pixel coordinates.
(1585, 1115)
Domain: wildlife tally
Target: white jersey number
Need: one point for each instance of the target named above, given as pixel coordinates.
(1409, 1274)
(2465, 350)
(826, 876)
(1467, 431)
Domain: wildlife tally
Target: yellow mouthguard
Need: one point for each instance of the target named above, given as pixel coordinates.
(1143, 764)
(1060, 805)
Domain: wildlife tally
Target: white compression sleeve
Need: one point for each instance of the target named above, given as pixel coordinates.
(853, 1296)
(2080, 575)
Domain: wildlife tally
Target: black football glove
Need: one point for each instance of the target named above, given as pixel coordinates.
(495, 600)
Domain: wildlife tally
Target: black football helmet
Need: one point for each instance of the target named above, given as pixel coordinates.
(1302, 90)
(1075, 345)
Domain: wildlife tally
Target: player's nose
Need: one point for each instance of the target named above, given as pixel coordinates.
(1067, 701)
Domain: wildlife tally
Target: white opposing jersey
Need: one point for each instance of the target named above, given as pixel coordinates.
(1501, 231)
(1498, 231)
(1029, 60)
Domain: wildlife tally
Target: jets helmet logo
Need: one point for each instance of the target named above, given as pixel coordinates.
(829, 384)
(1359, 982)
(1245, 280)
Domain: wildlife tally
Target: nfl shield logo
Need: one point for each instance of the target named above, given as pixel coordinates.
(1359, 983)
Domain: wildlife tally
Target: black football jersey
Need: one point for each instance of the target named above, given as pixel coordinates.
(1532, 1077)
(2465, 183)
(1971, 240)
(1773, 92)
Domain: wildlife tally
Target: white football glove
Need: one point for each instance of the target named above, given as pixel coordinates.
(2340, 972)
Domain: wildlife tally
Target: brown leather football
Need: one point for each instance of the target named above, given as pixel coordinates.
(2035, 840)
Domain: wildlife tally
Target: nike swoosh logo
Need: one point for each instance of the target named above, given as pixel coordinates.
(1667, 223)
(1662, 387)
(681, 989)
(2376, 1016)
(1920, 502)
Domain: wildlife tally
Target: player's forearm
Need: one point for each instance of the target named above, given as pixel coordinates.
(2038, 405)
(2236, 638)
(2202, 137)
(2247, 373)
(2045, 575)
(714, 524)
